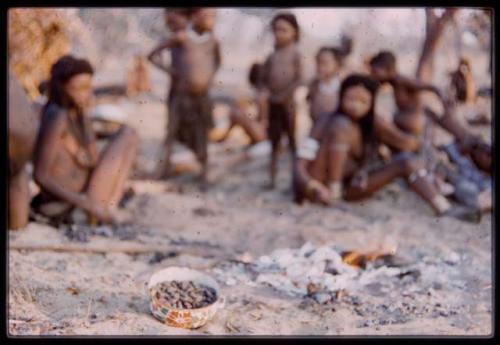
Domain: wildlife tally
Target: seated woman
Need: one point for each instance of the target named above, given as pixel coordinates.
(336, 160)
(67, 167)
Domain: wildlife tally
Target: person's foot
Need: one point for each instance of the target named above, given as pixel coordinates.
(467, 214)
(485, 200)
(127, 196)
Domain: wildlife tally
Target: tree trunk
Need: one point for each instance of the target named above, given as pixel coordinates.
(433, 32)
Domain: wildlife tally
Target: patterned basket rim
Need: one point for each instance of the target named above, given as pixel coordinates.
(164, 305)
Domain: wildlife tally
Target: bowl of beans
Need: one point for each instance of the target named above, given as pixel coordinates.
(183, 297)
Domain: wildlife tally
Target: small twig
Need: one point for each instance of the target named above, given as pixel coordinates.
(88, 309)
(115, 247)
(17, 321)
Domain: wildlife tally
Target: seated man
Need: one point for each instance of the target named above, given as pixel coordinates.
(67, 167)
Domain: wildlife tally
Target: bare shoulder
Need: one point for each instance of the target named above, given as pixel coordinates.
(53, 116)
(342, 123)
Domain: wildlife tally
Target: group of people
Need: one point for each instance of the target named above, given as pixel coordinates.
(340, 158)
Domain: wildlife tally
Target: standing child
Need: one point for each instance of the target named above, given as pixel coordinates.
(191, 107)
(323, 90)
(176, 20)
(283, 74)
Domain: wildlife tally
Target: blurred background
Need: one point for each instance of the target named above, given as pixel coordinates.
(111, 37)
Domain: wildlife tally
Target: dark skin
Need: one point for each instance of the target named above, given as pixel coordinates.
(177, 23)
(470, 144)
(96, 189)
(197, 64)
(23, 126)
(410, 116)
(282, 77)
(333, 164)
(254, 129)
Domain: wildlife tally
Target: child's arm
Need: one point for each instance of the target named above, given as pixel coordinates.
(451, 124)
(154, 56)
(51, 136)
(419, 86)
(392, 136)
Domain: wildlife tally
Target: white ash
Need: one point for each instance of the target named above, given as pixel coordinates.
(291, 271)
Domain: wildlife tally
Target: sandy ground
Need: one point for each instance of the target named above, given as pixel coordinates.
(61, 293)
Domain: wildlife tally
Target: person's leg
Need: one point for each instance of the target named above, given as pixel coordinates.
(107, 181)
(290, 123)
(203, 109)
(341, 140)
(376, 181)
(164, 166)
(19, 200)
(403, 165)
(409, 166)
(251, 127)
(202, 157)
(274, 133)
(481, 156)
(298, 192)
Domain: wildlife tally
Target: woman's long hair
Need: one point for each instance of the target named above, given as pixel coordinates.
(367, 122)
(61, 72)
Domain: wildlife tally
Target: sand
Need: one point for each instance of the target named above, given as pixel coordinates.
(75, 293)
